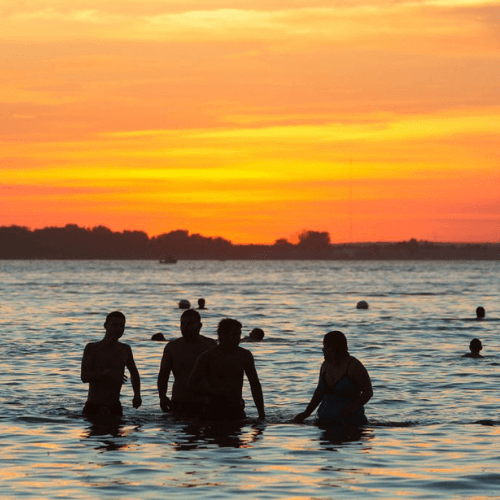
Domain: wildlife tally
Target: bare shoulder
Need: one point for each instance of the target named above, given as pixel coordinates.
(209, 354)
(357, 368)
(208, 340)
(356, 363)
(172, 345)
(125, 348)
(245, 354)
(90, 347)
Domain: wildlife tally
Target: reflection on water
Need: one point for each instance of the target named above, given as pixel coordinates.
(223, 435)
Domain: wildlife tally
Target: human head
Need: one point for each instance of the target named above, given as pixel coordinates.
(257, 334)
(184, 304)
(480, 312)
(201, 303)
(115, 324)
(475, 345)
(190, 324)
(229, 332)
(336, 342)
(115, 314)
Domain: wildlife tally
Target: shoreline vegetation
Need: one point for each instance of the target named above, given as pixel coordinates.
(72, 242)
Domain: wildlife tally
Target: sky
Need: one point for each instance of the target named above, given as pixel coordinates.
(374, 120)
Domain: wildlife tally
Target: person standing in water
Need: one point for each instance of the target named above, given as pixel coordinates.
(344, 386)
(218, 374)
(475, 347)
(103, 368)
(179, 357)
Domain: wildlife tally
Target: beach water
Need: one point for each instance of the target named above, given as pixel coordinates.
(434, 419)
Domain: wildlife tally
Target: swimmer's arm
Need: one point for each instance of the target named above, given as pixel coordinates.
(163, 376)
(135, 379)
(316, 399)
(87, 373)
(256, 388)
(361, 378)
(313, 404)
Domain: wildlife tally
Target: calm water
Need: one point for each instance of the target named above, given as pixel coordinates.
(434, 418)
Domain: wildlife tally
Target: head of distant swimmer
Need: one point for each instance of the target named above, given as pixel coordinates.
(201, 303)
(334, 345)
(475, 345)
(257, 334)
(115, 324)
(480, 312)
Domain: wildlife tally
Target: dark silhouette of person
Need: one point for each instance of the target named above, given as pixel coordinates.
(179, 357)
(475, 347)
(480, 312)
(158, 336)
(103, 368)
(184, 304)
(344, 386)
(201, 304)
(256, 335)
(218, 374)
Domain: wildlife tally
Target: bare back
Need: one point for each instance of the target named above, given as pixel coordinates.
(179, 357)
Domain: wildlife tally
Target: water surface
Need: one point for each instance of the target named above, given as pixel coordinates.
(434, 424)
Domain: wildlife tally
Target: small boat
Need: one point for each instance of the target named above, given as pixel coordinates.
(168, 260)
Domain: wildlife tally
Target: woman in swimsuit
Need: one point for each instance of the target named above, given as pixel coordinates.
(344, 386)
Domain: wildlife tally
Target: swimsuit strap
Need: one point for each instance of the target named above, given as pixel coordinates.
(332, 389)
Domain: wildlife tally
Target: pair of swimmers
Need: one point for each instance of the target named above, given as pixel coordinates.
(208, 377)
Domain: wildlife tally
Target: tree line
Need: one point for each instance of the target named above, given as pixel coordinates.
(74, 242)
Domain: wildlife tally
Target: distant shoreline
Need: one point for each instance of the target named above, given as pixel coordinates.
(100, 243)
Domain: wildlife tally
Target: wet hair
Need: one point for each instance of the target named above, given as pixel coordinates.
(337, 340)
(115, 314)
(480, 312)
(191, 313)
(228, 324)
(257, 333)
(475, 345)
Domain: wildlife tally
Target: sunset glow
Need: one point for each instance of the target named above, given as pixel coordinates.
(372, 120)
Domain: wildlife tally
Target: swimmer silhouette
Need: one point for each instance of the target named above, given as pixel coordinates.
(158, 336)
(103, 368)
(184, 304)
(179, 357)
(480, 312)
(475, 347)
(362, 304)
(256, 335)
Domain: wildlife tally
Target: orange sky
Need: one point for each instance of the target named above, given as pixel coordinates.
(374, 120)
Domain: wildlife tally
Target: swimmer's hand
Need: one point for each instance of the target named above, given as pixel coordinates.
(137, 401)
(299, 419)
(165, 404)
